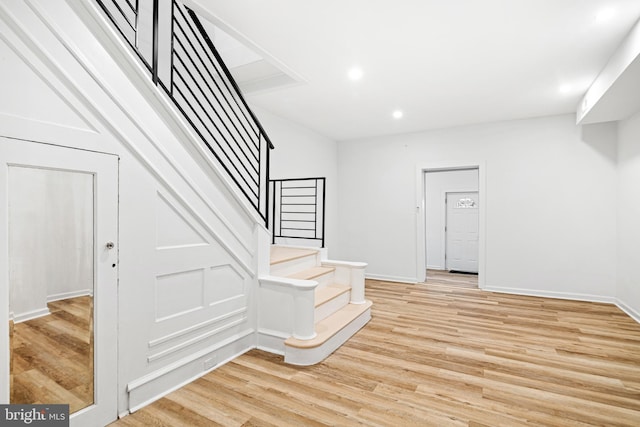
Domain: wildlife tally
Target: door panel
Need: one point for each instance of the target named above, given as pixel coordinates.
(58, 342)
(462, 232)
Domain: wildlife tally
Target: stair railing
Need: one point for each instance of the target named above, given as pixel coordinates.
(173, 44)
(298, 209)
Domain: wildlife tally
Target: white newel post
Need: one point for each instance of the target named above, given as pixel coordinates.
(357, 283)
(304, 313)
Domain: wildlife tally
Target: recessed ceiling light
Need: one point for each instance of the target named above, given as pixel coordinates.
(565, 88)
(397, 114)
(605, 14)
(574, 87)
(355, 73)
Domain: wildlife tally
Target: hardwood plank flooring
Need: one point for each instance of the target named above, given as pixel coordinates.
(435, 354)
(52, 356)
(459, 279)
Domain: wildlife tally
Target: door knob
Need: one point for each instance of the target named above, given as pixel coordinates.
(110, 245)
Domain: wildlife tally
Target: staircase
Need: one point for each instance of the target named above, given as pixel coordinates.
(309, 306)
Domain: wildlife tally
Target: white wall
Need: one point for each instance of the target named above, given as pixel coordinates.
(550, 202)
(629, 214)
(437, 184)
(301, 153)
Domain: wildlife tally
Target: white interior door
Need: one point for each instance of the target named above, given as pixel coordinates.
(58, 279)
(462, 232)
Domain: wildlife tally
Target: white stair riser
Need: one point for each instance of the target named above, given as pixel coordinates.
(286, 268)
(311, 356)
(342, 275)
(325, 279)
(329, 307)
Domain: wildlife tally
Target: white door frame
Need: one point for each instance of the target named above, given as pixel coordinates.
(421, 240)
(104, 166)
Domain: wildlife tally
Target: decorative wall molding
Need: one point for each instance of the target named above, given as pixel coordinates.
(193, 328)
(163, 381)
(235, 285)
(195, 340)
(18, 122)
(170, 219)
(179, 291)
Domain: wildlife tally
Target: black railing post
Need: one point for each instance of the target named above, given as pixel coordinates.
(280, 217)
(267, 177)
(154, 60)
(173, 11)
(324, 198)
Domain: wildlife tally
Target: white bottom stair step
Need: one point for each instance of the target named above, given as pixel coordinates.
(335, 318)
(331, 332)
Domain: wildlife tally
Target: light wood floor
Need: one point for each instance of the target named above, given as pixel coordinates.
(458, 279)
(52, 356)
(435, 354)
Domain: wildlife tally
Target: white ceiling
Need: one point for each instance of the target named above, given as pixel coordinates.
(442, 62)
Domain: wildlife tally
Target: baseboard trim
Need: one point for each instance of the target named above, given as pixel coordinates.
(634, 314)
(271, 341)
(163, 381)
(30, 315)
(386, 278)
(551, 294)
(69, 295)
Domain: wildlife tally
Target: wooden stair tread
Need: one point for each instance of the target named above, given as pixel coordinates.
(329, 292)
(327, 328)
(281, 254)
(311, 273)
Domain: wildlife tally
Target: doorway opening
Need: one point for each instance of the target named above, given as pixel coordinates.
(451, 223)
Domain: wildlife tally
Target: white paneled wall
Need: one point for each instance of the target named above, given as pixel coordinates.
(187, 245)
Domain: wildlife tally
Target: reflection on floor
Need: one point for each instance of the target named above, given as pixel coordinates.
(457, 279)
(52, 356)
